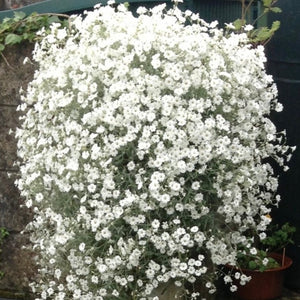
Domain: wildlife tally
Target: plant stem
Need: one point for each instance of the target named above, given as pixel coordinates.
(6, 61)
(248, 7)
(283, 257)
(258, 18)
(243, 10)
(54, 14)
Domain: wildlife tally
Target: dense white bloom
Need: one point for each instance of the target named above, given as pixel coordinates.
(145, 142)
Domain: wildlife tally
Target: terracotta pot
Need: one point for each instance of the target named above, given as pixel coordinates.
(264, 285)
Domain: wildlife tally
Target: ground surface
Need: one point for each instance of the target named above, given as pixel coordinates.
(287, 295)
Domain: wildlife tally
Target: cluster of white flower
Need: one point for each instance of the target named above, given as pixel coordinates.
(144, 152)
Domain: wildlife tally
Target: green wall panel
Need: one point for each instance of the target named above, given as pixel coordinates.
(223, 10)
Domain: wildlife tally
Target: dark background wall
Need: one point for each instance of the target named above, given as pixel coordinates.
(283, 54)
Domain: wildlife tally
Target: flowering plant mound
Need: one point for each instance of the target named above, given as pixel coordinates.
(143, 150)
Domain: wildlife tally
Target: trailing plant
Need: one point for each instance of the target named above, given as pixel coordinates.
(145, 152)
(3, 234)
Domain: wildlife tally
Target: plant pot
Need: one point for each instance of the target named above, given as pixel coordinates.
(264, 285)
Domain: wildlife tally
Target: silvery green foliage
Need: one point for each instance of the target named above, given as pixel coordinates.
(144, 152)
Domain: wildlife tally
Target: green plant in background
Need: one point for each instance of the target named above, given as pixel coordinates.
(279, 237)
(3, 234)
(259, 34)
(257, 258)
(21, 28)
(253, 259)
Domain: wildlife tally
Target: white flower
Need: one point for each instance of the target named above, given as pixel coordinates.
(175, 186)
(105, 233)
(61, 34)
(155, 224)
(262, 235)
(102, 268)
(131, 166)
(57, 273)
(248, 27)
(165, 198)
(233, 288)
(195, 185)
(183, 266)
(94, 279)
(265, 261)
(227, 279)
(194, 229)
(39, 197)
(91, 188)
(82, 247)
(141, 10)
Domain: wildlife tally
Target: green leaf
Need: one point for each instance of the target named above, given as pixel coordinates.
(31, 37)
(12, 39)
(276, 9)
(238, 24)
(53, 19)
(3, 233)
(275, 26)
(263, 34)
(2, 47)
(19, 15)
(5, 26)
(252, 265)
(6, 20)
(267, 3)
(262, 268)
(25, 36)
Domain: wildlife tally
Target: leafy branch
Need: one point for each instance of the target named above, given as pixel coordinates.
(21, 28)
(259, 34)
